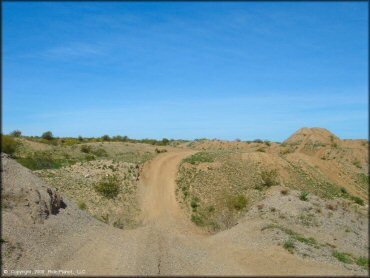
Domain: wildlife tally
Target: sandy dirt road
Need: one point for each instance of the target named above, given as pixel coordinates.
(170, 244)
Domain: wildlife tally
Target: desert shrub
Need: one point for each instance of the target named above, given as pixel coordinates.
(16, 133)
(237, 202)
(303, 196)
(257, 141)
(357, 163)
(105, 138)
(334, 145)
(211, 209)
(199, 157)
(90, 157)
(197, 219)
(362, 178)
(80, 138)
(285, 151)
(357, 200)
(82, 205)
(262, 150)
(269, 178)
(48, 135)
(267, 143)
(108, 186)
(289, 245)
(118, 224)
(86, 149)
(70, 141)
(160, 150)
(9, 145)
(165, 141)
(342, 257)
(362, 261)
(194, 203)
(100, 152)
(343, 191)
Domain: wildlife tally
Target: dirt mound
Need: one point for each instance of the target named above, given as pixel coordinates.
(313, 135)
(26, 194)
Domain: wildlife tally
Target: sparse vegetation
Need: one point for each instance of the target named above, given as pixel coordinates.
(342, 257)
(303, 196)
(82, 205)
(200, 157)
(86, 149)
(108, 186)
(289, 245)
(269, 178)
(238, 202)
(294, 236)
(9, 145)
(43, 160)
(357, 163)
(357, 200)
(362, 261)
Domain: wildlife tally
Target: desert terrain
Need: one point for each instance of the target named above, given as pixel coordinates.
(171, 207)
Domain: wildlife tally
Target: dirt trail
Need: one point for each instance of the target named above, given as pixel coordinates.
(168, 243)
(157, 189)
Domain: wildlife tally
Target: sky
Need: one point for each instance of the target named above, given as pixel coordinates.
(186, 70)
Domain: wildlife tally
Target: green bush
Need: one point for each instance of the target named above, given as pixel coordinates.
(357, 200)
(199, 157)
(89, 157)
(357, 163)
(237, 202)
(86, 149)
(108, 186)
(100, 152)
(82, 205)
(342, 257)
(362, 261)
(9, 145)
(41, 160)
(105, 138)
(269, 178)
(48, 135)
(194, 204)
(289, 245)
(16, 133)
(165, 141)
(197, 219)
(303, 196)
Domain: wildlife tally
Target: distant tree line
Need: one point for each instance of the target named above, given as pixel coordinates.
(48, 137)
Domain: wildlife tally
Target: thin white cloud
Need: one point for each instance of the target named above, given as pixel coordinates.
(74, 50)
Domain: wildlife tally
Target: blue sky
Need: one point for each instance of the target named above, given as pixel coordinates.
(185, 70)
